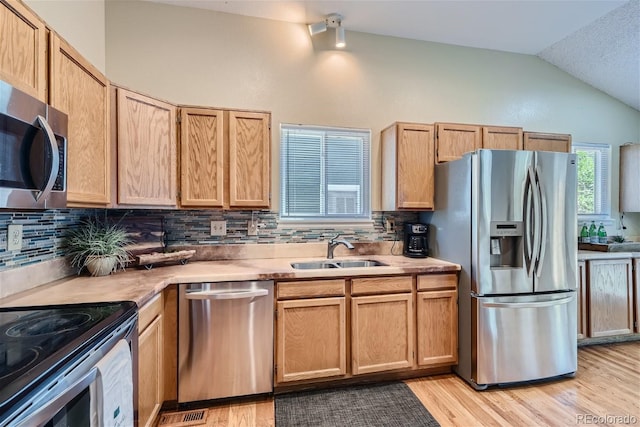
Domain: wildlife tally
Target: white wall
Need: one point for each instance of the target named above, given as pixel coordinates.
(80, 22)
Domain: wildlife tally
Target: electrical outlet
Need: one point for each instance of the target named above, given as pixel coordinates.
(14, 238)
(389, 225)
(252, 228)
(218, 228)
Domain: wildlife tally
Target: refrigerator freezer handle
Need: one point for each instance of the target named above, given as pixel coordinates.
(543, 224)
(539, 304)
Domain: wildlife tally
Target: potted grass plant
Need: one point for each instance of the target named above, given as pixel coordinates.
(98, 246)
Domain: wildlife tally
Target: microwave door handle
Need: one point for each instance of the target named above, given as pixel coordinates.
(43, 415)
(55, 158)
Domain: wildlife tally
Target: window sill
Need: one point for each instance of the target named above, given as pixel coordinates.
(333, 224)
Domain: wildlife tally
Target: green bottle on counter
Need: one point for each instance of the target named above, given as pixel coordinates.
(584, 234)
(593, 233)
(602, 234)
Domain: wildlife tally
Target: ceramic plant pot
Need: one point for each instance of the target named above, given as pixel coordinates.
(100, 265)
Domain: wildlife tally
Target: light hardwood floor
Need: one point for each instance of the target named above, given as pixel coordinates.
(607, 385)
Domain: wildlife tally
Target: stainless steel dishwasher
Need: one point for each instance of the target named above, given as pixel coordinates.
(225, 339)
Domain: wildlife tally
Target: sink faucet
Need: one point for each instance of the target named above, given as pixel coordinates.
(333, 243)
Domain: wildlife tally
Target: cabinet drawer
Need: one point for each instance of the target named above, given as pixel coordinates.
(427, 282)
(311, 289)
(149, 311)
(381, 285)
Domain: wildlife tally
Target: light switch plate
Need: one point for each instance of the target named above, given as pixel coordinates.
(218, 228)
(14, 237)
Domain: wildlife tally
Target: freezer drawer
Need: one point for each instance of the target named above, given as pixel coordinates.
(225, 340)
(522, 338)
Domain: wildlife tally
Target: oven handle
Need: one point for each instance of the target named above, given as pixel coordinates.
(46, 413)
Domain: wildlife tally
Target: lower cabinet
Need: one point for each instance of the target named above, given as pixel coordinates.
(582, 300)
(636, 292)
(437, 320)
(150, 361)
(610, 297)
(311, 331)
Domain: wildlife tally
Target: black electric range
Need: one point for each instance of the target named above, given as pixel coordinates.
(36, 341)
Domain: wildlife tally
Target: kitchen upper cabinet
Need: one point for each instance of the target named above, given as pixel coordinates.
(454, 139)
(502, 138)
(582, 300)
(311, 332)
(23, 49)
(535, 141)
(408, 166)
(147, 150)
(610, 297)
(629, 178)
(437, 320)
(82, 92)
(382, 326)
(202, 157)
(225, 158)
(249, 159)
(150, 361)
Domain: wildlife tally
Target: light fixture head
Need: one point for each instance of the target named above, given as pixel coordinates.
(318, 27)
(340, 39)
(333, 20)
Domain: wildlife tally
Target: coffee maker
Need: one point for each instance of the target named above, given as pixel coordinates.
(415, 240)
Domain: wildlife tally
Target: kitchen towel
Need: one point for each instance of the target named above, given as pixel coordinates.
(112, 391)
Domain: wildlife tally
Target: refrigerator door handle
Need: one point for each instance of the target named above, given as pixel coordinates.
(543, 224)
(531, 222)
(547, 303)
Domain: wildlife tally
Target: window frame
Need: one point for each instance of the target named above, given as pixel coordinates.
(602, 181)
(364, 192)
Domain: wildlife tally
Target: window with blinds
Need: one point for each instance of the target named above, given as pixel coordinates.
(594, 176)
(324, 173)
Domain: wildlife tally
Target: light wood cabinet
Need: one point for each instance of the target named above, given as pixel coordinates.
(382, 333)
(582, 300)
(610, 297)
(629, 178)
(311, 339)
(636, 294)
(150, 361)
(437, 320)
(502, 138)
(147, 150)
(225, 158)
(249, 159)
(202, 157)
(23, 49)
(408, 153)
(535, 141)
(82, 92)
(454, 139)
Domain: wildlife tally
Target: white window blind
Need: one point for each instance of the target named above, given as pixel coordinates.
(324, 173)
(594, 178)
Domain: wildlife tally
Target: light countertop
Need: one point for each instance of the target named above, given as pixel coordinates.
(140, 285)
(588, 255)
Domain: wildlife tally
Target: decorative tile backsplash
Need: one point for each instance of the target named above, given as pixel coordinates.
(43, 231)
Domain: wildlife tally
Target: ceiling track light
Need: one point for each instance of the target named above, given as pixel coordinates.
(330, 21)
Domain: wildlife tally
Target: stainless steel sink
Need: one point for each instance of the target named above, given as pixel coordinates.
(337, 264)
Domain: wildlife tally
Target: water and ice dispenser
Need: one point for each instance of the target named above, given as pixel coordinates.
(506, 244)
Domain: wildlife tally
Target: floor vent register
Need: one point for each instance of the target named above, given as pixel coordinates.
(183, 419)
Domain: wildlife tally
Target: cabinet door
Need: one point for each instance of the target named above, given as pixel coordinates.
(201, 157)
(453, 140)
(437, 320)
(535, 141)
(81, 91)
(502, 138)
(23, 50)
(582, 300)
(629, 178)
(415, 167)
(610, 297)
(311, 339)
(249, 159)
(150, 366)
(636, 293)
(382, 333)
(146, 150)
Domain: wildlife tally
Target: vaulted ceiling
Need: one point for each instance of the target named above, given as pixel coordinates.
(597, 41)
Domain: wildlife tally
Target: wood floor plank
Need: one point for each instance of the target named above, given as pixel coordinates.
(607, 384)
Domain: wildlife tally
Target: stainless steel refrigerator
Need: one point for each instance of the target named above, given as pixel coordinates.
(509, 219)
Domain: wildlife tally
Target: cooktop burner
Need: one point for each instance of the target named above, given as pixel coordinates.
(35, 340)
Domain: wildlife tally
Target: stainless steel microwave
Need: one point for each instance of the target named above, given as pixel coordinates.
(33, 152)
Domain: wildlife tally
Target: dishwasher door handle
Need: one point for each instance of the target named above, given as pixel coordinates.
(224, 295)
